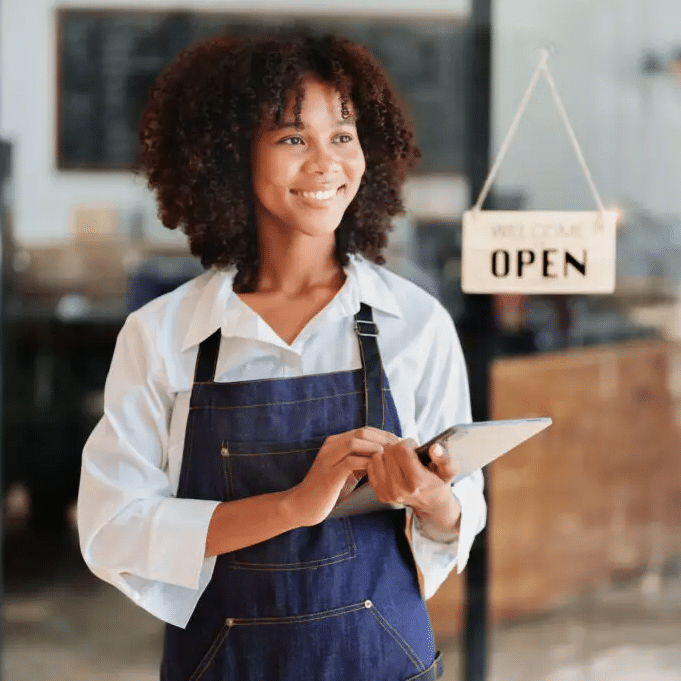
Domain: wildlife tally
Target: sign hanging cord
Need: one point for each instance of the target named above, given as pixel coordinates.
(542, 68)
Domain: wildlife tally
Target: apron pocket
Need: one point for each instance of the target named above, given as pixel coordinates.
(353, 641)
(305, 548)
(210, 663)
(265, 467)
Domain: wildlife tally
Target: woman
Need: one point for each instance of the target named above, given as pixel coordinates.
(240, 407)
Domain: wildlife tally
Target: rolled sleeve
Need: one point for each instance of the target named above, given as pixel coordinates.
(133, 531)
(181, 560)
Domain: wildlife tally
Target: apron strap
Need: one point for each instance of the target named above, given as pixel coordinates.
(207, 358)
(367, 333)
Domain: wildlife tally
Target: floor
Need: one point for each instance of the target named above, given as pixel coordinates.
(61, 623)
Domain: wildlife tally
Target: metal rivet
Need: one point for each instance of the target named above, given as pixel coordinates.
(367, 604)
(224, 450)
(229, 621)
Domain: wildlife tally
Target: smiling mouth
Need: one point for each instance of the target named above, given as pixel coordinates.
(317, 196)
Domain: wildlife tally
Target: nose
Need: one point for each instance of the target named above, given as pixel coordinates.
(322, 160)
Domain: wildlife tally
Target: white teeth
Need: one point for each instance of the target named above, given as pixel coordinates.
(318, 195)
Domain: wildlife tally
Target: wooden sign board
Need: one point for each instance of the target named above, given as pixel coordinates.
(538, 251)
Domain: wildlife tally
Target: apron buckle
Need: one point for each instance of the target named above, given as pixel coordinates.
(370, 329)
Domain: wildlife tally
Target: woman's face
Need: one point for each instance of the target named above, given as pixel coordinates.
(304, 179)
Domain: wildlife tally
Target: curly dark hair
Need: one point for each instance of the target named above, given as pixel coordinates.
(198, 124)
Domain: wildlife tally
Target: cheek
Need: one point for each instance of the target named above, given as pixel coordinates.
(358, 168)
(267, 171)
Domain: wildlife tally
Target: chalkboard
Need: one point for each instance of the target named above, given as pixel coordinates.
(108, 60)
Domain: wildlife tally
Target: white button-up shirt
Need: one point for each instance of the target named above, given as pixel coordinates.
(135, 533)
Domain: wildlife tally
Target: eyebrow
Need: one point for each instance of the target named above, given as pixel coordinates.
(292, 124)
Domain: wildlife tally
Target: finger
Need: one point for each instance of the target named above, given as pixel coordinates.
(404, 454)
(353, 464)
(372, 434)
(337, 452)
(340, 449)
(376, 473)
(441, 463)
(397, 478)
(364, 447)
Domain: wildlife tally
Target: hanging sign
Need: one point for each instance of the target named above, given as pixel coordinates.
(538, 251)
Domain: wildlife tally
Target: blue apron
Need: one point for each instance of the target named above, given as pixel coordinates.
(333, 602)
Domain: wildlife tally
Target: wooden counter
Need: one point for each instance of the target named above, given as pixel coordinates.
(594, 497)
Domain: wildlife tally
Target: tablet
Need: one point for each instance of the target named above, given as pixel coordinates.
(472, 445)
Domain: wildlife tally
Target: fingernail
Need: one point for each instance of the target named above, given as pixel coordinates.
(438, 450)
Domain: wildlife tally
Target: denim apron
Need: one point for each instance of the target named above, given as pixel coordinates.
(337, 601)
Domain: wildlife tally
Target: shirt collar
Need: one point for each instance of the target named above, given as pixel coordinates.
(218, 307)
(368, 285)
(214, 302)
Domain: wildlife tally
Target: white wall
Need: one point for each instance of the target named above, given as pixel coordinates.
(42, 195)
(628, 123)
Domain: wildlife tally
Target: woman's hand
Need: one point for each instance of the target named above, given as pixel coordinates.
(397, 476)
(340, 461)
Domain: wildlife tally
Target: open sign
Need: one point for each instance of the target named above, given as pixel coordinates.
(538, 252)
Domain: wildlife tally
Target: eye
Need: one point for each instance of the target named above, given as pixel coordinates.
(293, 141)
(344, 138)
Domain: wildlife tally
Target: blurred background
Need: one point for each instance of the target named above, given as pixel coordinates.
(578, 576)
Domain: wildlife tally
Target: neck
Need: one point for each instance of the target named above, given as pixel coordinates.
(294, 266)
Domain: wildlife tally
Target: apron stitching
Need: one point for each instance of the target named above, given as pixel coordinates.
(227, 474)
(279, 567)
(382, 400)
(366, 384)
(383, 390)
(274, 404)
(397, 638)
(432, 668)
(310, 399)
(210, 655)
(398, 635)
(350, 536)
(348, 554)
(295, 619)
(286, 451)
(279, 442)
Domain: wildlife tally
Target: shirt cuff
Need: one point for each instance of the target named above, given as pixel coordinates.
(469, 492)
(469, 526)
(436, 559)
(177, 546)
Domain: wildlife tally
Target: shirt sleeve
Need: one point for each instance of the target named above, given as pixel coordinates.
(442, 400)
(134, 533)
